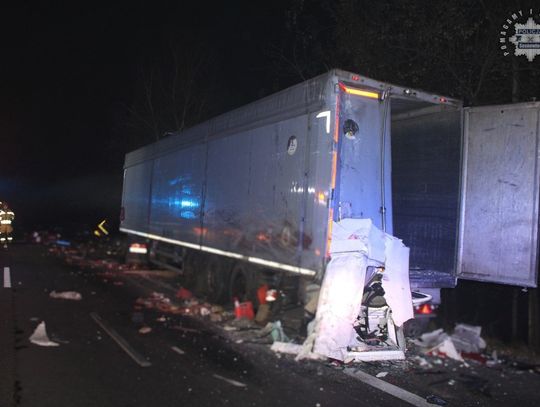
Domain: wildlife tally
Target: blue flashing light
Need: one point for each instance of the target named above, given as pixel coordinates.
(189, 203)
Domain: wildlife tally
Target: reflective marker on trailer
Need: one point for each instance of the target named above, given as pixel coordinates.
(359, 92)
(325, 115)
(273, 264)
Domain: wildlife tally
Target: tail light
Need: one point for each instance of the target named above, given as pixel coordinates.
(425, 309)
(139, 248)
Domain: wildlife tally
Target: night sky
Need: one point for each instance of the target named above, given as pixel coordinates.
(73, 76)
(70, 73)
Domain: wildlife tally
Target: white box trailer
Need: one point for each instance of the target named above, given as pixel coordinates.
(255, 190)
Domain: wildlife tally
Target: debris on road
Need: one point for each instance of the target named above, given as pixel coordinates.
(438, 401)
(178, 350)
(145, 330)
(230, 381)
(184, 294)
(39, 337)
(66, 295)
(466, 338)
(464, 342)
(184, 329)
(294, 349)
(243, 310)
(381, 374)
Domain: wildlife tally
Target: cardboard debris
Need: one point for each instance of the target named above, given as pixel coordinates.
(66, 295)
(39, 337)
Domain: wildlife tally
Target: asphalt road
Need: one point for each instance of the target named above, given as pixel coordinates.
(89, 368)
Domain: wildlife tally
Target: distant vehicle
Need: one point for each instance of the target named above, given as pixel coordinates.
(249, 197)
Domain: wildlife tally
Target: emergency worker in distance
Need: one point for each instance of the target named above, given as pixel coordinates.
(6, 217)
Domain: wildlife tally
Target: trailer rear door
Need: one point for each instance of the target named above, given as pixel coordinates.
(499, 207)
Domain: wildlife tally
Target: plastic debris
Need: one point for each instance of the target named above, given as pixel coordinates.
(184, 294)
(466, 338)
(204, 311)
(438, 342)
(433, 399)
(39, 337)
(293, 349)
(229, 328)
(381, 374)
(243, 310)
(66, 295)
(448, 349)
(145, 330)
(275, 331)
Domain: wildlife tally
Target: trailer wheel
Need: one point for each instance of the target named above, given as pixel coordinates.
(190, 266)
(241, 283)
(216, 274)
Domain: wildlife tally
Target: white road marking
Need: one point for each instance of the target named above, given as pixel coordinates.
(230, 381)
(389, 388)
(7, 278)
(138, 358)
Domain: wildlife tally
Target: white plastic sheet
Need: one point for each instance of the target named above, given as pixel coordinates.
(39, 337)
(396, 280)
(66, 295)
(340, 301)
(356, 244)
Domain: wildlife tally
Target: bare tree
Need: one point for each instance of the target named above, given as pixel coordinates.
(172, 90)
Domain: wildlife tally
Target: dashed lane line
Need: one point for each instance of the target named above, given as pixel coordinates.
(137, 357)
(389, 388)
(7, 278)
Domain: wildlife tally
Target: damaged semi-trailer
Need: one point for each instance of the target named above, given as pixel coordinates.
(250, 196)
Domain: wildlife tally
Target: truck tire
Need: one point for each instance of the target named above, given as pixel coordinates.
(241, 284)
(414, 328)
(216, 275)
(190, 269)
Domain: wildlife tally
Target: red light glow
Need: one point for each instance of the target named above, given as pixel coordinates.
(425, 309)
